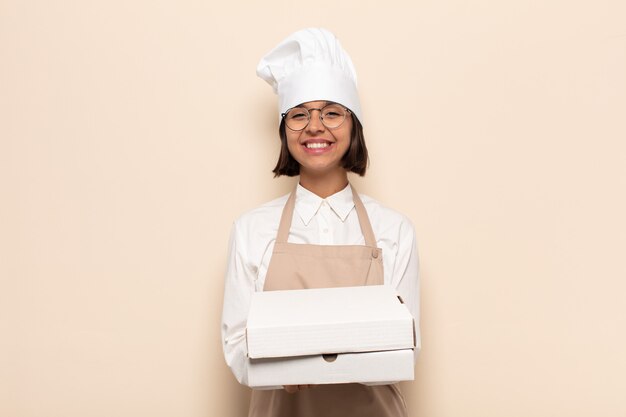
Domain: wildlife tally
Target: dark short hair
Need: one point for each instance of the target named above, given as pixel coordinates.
(355, 159)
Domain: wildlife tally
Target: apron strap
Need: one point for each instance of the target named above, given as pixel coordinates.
(364, 220)
(285, 219)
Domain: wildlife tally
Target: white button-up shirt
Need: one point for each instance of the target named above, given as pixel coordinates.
(317, 221)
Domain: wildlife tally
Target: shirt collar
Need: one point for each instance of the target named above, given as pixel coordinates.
(308, 203)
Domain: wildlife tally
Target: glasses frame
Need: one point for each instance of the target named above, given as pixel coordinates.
(283, 115)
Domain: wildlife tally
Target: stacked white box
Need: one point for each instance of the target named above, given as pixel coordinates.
(366, 333)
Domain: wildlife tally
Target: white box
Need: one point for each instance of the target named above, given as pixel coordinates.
(369, 328)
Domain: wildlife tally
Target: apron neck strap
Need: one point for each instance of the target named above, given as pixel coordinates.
(364, 221)
(285, 218)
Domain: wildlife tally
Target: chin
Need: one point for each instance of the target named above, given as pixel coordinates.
(320, 169)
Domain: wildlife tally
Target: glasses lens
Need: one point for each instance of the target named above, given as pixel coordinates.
(333, 115)
(297, 118)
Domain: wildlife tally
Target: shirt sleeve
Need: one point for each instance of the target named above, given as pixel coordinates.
(405, 276)
(239, 285)
(238, 288)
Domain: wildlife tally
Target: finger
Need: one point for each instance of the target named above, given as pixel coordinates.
(290, 388)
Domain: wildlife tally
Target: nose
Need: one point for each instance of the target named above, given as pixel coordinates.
(315, 122)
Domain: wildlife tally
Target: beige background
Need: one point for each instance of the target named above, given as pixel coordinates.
(133, 133)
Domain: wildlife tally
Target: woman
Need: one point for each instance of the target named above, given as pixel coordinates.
(310, 238)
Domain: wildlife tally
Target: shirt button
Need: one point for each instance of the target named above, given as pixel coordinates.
(325, 230)
(374, 253)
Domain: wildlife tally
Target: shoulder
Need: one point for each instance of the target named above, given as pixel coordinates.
(385, 218)
(265, 215)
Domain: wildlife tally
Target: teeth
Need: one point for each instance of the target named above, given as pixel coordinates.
(317, 145)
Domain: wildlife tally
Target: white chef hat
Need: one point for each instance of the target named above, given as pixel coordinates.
(311, 65)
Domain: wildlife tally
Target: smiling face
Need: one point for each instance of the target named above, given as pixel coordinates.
(317, 148)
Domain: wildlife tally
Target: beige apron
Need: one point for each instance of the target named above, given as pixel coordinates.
(298, 266)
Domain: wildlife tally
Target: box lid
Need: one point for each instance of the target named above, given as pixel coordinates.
(328, 320)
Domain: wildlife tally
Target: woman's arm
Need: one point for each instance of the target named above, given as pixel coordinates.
(238, 289)
(405, 277)
(239, 285)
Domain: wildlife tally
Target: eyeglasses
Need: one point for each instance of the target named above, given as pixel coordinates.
(331, 115)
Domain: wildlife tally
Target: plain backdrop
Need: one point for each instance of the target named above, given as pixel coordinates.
(133, 133)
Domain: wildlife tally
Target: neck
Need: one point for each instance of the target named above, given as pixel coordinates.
(325, 184)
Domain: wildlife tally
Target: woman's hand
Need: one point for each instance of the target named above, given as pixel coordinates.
(295, 388)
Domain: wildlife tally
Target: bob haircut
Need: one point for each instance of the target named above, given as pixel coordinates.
(355, 159)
